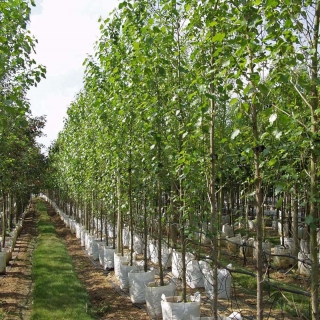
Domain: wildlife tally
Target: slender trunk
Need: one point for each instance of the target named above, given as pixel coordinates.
(119, 217)
(130, 207)
(160, 232)
(145, 231)
(19, 208)
(11, 213)
(295, 222)
(258, 189)
(258, 200)
(313, 168)
(213, 215)
(174, 218)
(101, 221)
(4, 219)
(114, 225)
(86, 214)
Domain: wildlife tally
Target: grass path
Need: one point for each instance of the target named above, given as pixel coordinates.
(57, 292)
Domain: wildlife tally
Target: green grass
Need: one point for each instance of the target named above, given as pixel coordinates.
(294, 304)
(57, 293)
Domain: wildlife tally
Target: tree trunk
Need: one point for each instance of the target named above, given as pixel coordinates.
(213, 213)
(119, 247)
(313, 169)
(258, 190)
(295, 221)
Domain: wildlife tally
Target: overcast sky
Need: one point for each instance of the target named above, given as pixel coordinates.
(66, 31)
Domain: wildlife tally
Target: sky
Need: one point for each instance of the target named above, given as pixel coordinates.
(66, 31)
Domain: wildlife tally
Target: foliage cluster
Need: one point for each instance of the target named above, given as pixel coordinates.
(21, 161)
(184, 96)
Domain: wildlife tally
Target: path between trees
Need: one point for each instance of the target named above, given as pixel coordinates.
(16, 285)
(107, 300)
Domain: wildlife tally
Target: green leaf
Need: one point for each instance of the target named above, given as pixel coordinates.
(122, 4)
(187, 7)
(233, 101)
(279, 202)
(218, 37)
(210, 96)
(272, 3)
(182, 69)
(278, 190)
(272, 162)
(162, 71)
(311, 221)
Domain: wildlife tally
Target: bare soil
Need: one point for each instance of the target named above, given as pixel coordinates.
(16, 284)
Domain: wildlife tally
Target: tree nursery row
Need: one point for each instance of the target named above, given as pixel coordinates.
(22, 165)
(178, 270)
(197, 131)
(197, 128)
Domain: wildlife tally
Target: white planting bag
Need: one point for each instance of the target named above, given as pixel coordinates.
(2, 262)
(233, 316)
(304, 266)
(304, 245)
(123, 275)
(166, 256)
(108, 257)
(224, 281)
(66, 221)
(153, 294)
(153, 251)
(117, 258)
(194, 275)
(266, 247)
(72, 226)
(252, 225)
(234, 243)
(100, 244)
(285, 229)
(227, 231)
(126, 237)
(288, 243)
(78, 230)
(137, 244)
(101, 247)
(274, 225)
(177, 262)
(279, 260)
(95, 250)
(89, 244)
(247, 248)
(84, 234)
(137, 282)
(110, 231)
(173, 308)
(302, 233)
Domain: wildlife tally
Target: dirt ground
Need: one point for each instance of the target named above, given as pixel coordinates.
(107, 300)
(16, 284)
